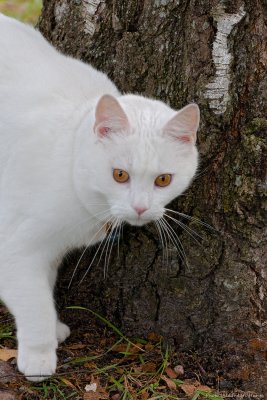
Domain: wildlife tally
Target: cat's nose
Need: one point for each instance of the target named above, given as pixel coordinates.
(140, 210)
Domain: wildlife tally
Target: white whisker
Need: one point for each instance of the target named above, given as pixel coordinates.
(186, 228)
(167, 241)
(164, 246)
(166, 238)
(193, 219)
(97, 251)
(112, 240)
(106, 245)
(175, 239)
(84, 251)
(118, 237)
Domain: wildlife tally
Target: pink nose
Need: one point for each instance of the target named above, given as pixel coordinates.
(140, 210)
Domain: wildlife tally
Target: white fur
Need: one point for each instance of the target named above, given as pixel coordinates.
(56, 183)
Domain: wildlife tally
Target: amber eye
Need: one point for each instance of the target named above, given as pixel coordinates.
(120, 176)
(163, 180)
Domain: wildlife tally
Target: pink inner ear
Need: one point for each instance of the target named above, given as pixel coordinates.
(104, 130)
(184, 138)
(109, 116)
(183, 126)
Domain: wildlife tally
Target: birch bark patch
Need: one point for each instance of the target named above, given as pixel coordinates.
(61, 10)
(90, 7)
(218, 88)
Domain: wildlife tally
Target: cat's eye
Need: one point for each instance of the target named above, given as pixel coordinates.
(120, 175)
(163, 180)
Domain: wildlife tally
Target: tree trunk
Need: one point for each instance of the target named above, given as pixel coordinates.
(213, 53)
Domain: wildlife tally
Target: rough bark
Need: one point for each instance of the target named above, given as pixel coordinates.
(213, 53)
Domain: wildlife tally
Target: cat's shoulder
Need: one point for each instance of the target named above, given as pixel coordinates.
(14, 35)
(10, 25)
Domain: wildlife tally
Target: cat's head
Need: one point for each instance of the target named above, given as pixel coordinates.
(145, 155)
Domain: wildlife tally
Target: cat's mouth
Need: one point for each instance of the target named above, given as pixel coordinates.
(138, 221)
(133, 219)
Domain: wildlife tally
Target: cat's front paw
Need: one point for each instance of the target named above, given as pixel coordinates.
(37, 365)
(63, 331)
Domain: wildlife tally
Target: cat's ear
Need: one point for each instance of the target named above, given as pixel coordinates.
(183, 126)
(109, 116)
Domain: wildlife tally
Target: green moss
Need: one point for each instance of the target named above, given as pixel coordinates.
(24, 10)
(257, 126)
(243, 174)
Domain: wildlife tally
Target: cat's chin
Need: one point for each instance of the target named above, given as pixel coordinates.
(138, 222)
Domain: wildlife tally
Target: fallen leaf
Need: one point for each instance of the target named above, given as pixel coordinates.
(171, 385)
(204, 388)
(98, 395)
(128, 349)
(90, 365)
(149, 346)
(121, 347)
(171, 373)
(94, 391)
(149, 367)
(91, 396)
(103, 342)
(154, 337)
(188, 388)
(6, 354)
(144, 395)
(68, 383)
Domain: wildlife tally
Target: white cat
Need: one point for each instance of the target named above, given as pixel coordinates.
(75, 154)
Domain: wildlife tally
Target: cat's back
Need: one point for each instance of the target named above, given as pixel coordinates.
(20, 46)
(22, 55)
(29, 63)
(26, 68)
(39, 87)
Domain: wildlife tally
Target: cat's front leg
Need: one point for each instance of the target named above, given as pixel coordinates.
(28, 295)
(63, 331)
